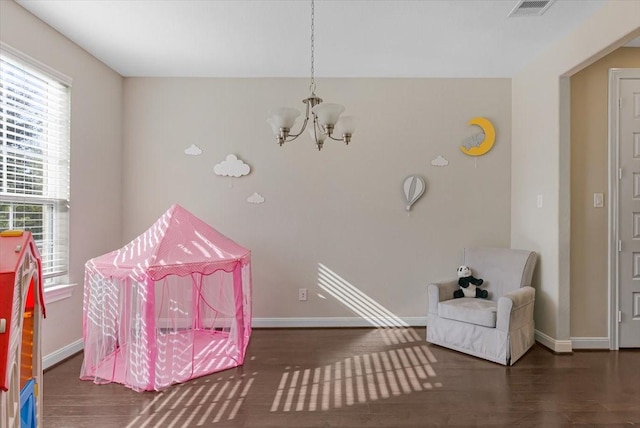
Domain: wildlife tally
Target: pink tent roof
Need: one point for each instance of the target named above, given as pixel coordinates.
(178, 243)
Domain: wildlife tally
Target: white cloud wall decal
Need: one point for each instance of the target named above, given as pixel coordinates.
(440, 161)
(256, 198)
(193, 150)
(232, 167)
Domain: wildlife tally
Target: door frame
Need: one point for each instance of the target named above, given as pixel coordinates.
(615, 76)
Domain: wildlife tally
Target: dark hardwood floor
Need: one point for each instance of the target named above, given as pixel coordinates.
(364, 378)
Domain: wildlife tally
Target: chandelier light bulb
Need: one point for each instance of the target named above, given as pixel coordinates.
(345, 128)
(274, 127)
(284, 117)
(328, 113)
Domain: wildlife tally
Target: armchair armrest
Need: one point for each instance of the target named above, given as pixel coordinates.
(515, 308)
(439, 292)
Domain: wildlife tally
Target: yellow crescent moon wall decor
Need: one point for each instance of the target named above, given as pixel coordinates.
(489, 137)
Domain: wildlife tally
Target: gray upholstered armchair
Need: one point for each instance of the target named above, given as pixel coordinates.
(499, 328)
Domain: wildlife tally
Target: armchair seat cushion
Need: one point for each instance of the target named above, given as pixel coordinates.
(469, 310)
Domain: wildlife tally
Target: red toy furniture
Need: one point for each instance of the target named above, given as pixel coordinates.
(21, 312)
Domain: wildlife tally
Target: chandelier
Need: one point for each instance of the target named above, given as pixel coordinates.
(327, 122)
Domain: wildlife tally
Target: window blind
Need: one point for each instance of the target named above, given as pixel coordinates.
(34, 158)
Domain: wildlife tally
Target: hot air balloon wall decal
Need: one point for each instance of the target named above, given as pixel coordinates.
(413, 188)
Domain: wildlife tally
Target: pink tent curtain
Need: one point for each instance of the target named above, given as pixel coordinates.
(172, 305)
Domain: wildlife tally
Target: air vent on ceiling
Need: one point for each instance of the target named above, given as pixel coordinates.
(531, 7)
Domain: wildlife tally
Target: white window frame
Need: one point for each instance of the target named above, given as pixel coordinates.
(55, 200)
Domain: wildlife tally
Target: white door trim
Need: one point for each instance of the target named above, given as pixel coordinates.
(615, 76)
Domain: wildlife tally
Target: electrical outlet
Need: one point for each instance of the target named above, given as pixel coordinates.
(302, 294)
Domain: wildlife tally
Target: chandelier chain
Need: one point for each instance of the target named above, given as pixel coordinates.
(312, 86)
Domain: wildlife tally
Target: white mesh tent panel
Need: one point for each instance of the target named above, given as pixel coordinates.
(154, 316)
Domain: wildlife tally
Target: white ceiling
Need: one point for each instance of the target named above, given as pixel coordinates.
(270, 38)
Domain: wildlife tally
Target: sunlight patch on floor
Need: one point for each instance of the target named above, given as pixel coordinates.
(396, 336)
(356, 380)
(215, 400)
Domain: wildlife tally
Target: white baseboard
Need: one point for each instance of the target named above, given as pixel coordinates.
(559, 346)
(319, 322)
(62, 353)
(590, 343)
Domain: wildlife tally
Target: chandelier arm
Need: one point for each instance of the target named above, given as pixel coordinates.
(334, 139)
(317, 129)
(304, 126)
(292, 137)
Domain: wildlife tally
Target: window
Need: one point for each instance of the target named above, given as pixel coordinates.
(34, 157)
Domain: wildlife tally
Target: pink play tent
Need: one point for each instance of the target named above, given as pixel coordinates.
(171, 305)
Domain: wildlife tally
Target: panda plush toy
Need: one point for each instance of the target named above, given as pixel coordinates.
(469, 286)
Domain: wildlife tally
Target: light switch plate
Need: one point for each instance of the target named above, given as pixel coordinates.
(539, 201)
(598, 200)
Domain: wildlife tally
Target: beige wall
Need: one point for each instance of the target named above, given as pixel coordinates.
(541, 157)
(96, 156)
(589, 164)
(341, 207)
